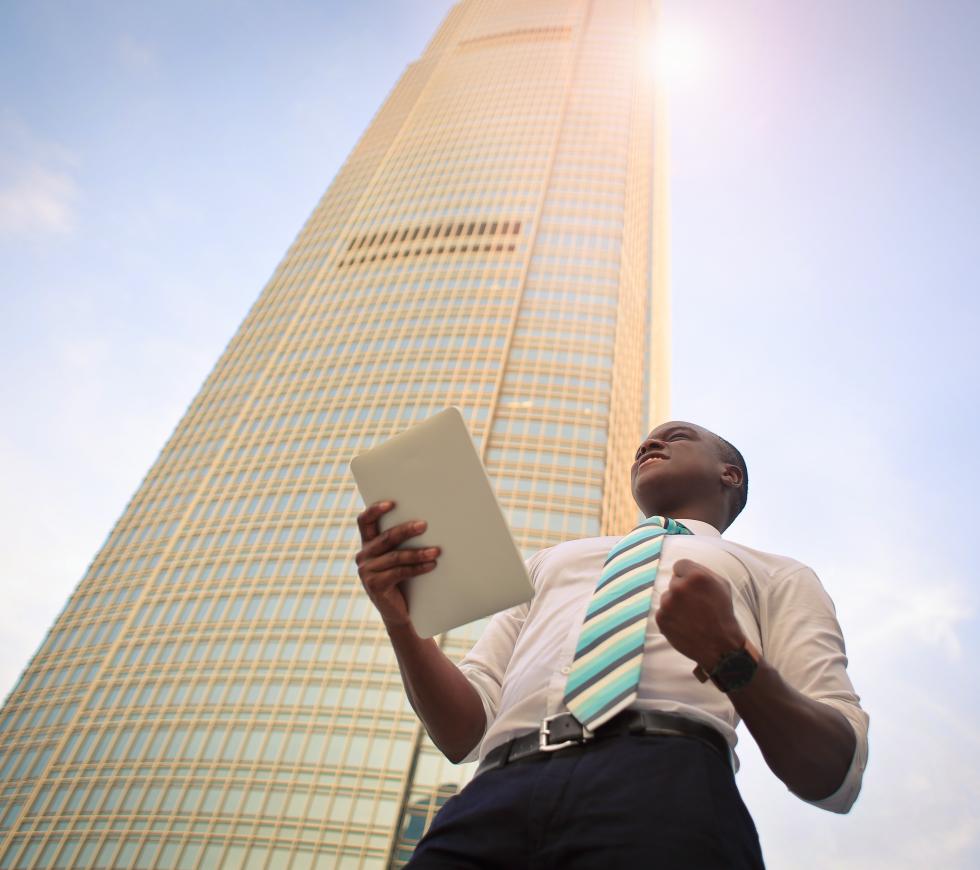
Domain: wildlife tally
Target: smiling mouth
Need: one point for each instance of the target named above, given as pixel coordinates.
(651, 459)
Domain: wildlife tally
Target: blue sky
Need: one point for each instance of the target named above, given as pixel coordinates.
(157, 159)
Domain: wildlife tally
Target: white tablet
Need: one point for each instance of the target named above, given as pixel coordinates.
(432, 472)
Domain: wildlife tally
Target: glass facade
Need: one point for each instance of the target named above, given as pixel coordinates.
(218, 691)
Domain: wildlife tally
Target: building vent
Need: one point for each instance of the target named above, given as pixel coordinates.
(444, 237)
(527, 34)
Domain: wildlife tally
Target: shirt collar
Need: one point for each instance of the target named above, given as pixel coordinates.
(699, 527)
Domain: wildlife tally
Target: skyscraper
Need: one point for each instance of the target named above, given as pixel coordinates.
(218, 692)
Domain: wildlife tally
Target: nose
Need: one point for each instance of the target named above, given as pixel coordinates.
(651, 444)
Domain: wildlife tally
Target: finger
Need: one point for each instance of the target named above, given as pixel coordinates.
(379, 584)
(391, 538)
(686, 566)
(367, 520)
(691, 572)
(394, 558)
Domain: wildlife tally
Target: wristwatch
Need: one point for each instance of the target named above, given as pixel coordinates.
(734, 670)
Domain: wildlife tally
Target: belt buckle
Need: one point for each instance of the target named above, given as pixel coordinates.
(544, 732)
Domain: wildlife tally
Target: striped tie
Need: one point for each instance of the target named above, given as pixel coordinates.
(605, 672)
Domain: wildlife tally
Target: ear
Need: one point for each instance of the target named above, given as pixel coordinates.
(731, 475)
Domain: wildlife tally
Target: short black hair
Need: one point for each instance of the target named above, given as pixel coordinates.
(731, 455)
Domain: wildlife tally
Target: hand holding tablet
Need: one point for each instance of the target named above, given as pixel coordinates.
(383, 568)
(431, 473)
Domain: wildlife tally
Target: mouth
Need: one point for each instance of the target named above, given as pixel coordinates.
(652, 457)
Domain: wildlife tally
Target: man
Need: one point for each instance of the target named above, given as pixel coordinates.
(569, 779)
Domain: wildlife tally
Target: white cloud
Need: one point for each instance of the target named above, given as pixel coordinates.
(933, 617)
(37, 199)
(909, 613)
(890, 605)
(916, 806)
(38, 190)
(136, 55)
(89, 425)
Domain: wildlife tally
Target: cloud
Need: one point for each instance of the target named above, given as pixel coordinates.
(135, 55)
(908, 607)
(38, 199)
(891, 610)
(38, 191)
(933, 616)
(92, 414)
(916, 806)
(909, 617)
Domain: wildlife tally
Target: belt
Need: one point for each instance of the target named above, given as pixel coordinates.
(564, 730)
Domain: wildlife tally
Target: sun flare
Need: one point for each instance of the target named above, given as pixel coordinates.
(678, 55)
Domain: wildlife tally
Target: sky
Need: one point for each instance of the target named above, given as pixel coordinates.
(156, 160)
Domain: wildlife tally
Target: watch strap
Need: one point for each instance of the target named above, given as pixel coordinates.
(748, 646)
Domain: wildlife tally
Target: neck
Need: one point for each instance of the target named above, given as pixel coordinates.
(714, 515)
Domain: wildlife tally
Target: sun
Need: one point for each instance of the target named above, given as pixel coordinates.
(678, 55)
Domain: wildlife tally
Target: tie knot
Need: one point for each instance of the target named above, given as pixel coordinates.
(670, 526)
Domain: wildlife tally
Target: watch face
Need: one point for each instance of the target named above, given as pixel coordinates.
(734, 670)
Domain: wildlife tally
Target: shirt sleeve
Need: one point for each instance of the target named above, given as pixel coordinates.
(486, 663)
(802, 639)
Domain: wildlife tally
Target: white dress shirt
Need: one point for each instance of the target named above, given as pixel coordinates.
(520, 664)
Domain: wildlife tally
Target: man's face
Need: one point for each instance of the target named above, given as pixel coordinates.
(676, 464)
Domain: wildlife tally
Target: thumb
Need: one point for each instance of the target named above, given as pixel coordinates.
(683, 567)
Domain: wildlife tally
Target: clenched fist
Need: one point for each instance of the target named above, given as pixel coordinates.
(696, 615)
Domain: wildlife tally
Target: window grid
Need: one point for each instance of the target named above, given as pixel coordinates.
(217, 691)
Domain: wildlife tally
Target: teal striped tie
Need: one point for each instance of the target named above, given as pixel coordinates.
(605, 672)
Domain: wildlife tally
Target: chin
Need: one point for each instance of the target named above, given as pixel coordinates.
(646, 510)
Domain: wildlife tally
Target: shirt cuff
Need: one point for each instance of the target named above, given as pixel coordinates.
(843, 799)
(488, 713)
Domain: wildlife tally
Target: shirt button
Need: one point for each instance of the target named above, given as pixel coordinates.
(566, 670)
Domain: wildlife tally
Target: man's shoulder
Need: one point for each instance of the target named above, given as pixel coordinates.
(572, 550)
(761, 563)
(579, 546)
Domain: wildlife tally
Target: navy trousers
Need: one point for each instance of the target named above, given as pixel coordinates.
(620, 803)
